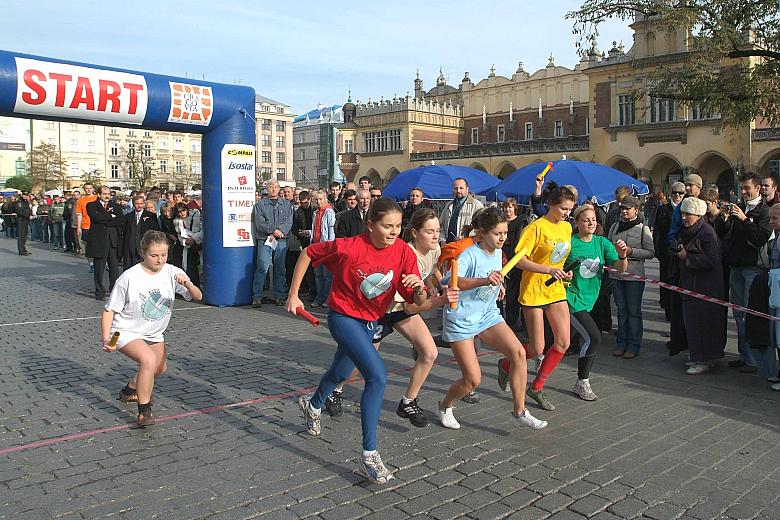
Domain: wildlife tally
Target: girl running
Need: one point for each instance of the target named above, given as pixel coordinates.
(139, 309)
(423, 231)
(477, 315)
(545, 244)
(368, 270)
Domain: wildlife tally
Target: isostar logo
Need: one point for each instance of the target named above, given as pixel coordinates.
(72, 91)
(190, 104)
(241, 166)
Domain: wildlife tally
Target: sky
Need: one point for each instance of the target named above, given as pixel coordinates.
(302, 53)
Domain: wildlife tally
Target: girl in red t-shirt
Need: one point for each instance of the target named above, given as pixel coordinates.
(368, 270)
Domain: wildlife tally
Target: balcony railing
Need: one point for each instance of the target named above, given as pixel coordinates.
(535, 146)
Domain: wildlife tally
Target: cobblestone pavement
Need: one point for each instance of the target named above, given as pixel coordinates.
(657, 444)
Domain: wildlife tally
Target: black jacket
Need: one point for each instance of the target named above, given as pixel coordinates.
(302, 221)
(349, 223)
(105, 232)
(409, 211)
(22, 209)
(132, 234)
(743, 239)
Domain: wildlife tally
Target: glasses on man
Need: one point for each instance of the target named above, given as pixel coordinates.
(626, 208)
(678, 193)
(375, 196)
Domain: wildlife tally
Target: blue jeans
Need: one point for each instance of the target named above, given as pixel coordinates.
(58, 229)
(740, 280)
(628, 298)
(266, 255)
(323, 279)
(355, 349)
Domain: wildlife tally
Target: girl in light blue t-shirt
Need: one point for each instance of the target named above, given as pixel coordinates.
(476, 315)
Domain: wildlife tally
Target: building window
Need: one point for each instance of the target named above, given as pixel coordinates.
(280, 157)
(91, 146)
(74, 127)
(114, 171)
(147, 133)
(131, 150)
(196, 168)
(131, 133)
(147, 150)
(265, 140)
(266, 108)
(196, 147)
(130, 172)
(114, 147)
(266, 124)
(280, 110)
(281, 173)
(280, 126)
(163, 144)
(266, 157)
(382, 141)
(113, 131)
(20, 167)
(74, 145)
(178, 167)
(698, 113)
(303, 155)
(558, 128)
(74, 170)
(178, 144)
(91, 128)
(475, 136)
(661, 110)
(349, 146)
(587, 126)
(500, 134)
(529, 131)
(303, 173)
(50, 125)
(626, 110)
(50, 140)
(163, 166)
(92, 167)
(280, 141)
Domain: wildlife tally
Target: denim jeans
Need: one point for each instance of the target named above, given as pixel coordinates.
(740, 280)
(265, 257)
(355, 349)
(628, 298)
(58, 228)
(323, 279)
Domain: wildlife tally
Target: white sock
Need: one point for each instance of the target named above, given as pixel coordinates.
(315, 411)
(338, 390)
(406, 400)
(369, 454)
(587, 379)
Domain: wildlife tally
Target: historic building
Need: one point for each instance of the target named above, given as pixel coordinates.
(274, 127)
(317, 146)
(14, 146)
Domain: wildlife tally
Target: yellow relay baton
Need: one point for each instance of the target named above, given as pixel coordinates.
(544, 172)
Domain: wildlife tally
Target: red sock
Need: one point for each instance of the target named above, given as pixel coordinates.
(504, 364)
(550, 361)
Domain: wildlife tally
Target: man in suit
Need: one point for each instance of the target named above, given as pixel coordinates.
(104, 242)
(137, 222)
(353, 221)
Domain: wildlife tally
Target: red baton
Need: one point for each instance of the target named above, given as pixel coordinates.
(306, 315)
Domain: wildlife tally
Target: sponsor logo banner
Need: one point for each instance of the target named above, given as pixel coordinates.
(238, 194)
(190, 104)
(13, 147)
(71, 91)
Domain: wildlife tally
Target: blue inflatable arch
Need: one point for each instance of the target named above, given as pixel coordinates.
(45, 88)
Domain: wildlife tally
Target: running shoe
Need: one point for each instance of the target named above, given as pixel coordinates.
(698, 368)
(413, 412)
(374, 469)
(538, 363)
(584, 391)
(471, 398)
(775, 387)
(311, 420)
(540, 398)
(526, 419)
(503, 374)
(333, 404)
(447, 418)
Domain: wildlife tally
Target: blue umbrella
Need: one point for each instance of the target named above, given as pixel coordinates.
(590, 179)
(436, 181)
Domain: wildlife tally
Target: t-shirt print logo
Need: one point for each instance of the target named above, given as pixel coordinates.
(559, 253)
(155, 306)
(375, 284)
(590, 267)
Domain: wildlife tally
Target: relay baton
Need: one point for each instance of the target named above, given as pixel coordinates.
(454, 279)
(510, 264)
(544, 172)
(306, 315)
(568, 267)
(112, 342)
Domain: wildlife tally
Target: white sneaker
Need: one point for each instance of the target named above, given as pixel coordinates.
(447, 418)
(374, 469)
(526, 419)
(584, 391)
(698, 368)
(775, 387)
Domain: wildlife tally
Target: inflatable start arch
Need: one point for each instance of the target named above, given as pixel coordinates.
(44, 88)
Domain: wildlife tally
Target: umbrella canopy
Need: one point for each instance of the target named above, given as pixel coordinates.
(8, 192)
(53, 192)
(436, 181)
(590, 179)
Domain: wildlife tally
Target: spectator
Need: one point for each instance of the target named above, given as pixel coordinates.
(352, 222)
(71, 224)
(376, 193)
(650, 209)
(166, 226)
(335, 199)
(43, 221)
(458, 212)
(693, 184)
(271, 224)
(189, 232)
(323, 231)
(302, 224)
(416, 201)
(82, 218)
(104, 241)
(698, 262)
(57, 223)
(663, 223)
(510, 306)
(35, 223)
(351, 186)
(364, 182)
(23, 212)
(614, 213)
(136, 224)
(289, 194)
(628, 292)
(745, 230)
(9, 219)
(769, 192)
(774, 260)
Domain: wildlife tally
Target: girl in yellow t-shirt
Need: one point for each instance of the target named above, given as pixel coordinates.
(545, 245)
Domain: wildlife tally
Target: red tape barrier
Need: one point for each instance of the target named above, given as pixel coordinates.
(693, 294)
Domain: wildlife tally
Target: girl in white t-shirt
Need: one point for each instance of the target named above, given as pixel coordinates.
(139, 308)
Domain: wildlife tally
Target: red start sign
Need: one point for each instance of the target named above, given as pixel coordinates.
(71, 91)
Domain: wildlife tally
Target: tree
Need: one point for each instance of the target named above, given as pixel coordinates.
(141, 167)
(733, 64)
(94, 177)
(20, 182)
(185, 176)
(47, 168)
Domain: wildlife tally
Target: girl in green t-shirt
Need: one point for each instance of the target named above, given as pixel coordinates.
(594, 252)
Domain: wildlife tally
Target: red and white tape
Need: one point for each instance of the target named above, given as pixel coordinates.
(693, 294)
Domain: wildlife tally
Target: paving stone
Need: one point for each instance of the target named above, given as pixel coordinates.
(628, 508)
(590, 505)
(554, 502)
(529, 513)
(449, 511)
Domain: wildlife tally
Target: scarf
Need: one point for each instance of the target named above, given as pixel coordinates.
(686, 234)
(318, 224)
(627, 224)
(452, 228)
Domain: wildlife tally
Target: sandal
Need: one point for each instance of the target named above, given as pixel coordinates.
(630, 355)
